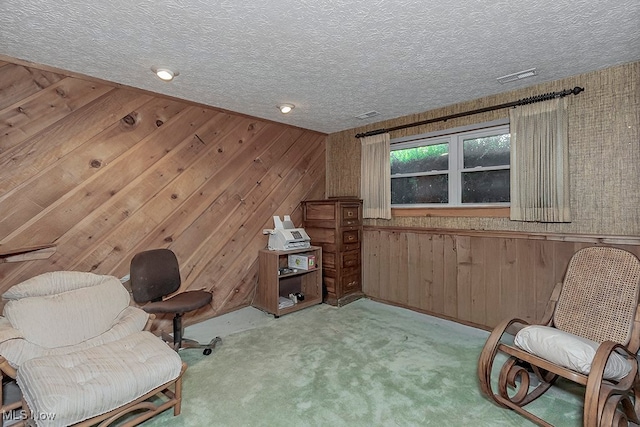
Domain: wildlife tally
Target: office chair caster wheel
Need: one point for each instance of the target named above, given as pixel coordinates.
(207, 351)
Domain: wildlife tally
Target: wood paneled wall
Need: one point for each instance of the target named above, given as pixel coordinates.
(477, 278)
(104, 172)
(479, 270)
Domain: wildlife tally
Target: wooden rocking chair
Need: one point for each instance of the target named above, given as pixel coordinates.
(590, 334)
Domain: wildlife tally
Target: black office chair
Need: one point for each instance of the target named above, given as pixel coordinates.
(156, 274)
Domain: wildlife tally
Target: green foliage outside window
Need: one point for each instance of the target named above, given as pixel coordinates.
(469, 167)
(487, 151)
(420, 159)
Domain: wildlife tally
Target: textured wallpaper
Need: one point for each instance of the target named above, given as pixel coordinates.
(604, 133)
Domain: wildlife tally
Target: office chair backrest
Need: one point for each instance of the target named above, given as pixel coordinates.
(154, 274)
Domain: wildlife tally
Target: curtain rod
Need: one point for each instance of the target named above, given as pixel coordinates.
(545, 97)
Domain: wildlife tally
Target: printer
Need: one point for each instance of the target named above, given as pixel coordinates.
(285, 236)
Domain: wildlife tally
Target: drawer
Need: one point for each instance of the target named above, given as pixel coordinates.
(320, 236)
(351, 247)
(351, 283)
(350, 271)
(350, 236)
(350, 259)
(328, 260)
(350, 215)
(329, 284)
(319, 211)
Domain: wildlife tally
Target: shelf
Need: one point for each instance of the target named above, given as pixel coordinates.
(28, 253)
(272, 285)
(297, 273)
(298, 306)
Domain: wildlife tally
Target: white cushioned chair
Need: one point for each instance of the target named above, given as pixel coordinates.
(81, 354)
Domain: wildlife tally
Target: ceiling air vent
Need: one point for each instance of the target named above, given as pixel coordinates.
(517, 76)
(367, 115)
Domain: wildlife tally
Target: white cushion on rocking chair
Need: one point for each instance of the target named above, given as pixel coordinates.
(568, 350)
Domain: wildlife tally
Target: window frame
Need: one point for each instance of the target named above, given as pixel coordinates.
(455, 139)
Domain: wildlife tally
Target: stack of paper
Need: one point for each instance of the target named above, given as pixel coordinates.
(284, 303)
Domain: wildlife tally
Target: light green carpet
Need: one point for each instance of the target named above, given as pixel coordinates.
(364, 364)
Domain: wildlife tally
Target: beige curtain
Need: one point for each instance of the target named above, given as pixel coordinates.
(540, 162)
(375, 176)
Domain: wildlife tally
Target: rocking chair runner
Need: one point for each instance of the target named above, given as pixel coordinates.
(590, 334)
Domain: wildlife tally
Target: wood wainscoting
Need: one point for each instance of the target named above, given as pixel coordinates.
(473, 277)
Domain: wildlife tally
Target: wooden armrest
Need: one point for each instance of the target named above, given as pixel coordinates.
(150, 320)
(551, 305)
(6, 368)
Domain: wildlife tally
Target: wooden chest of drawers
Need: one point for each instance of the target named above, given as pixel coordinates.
(336, 226)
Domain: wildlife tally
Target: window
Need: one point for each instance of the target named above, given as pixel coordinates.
(469, 168)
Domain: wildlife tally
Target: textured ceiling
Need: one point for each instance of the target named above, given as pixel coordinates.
(333, 59)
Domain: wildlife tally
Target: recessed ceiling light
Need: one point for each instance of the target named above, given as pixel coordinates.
(286, 108)
(164, 73)
(517, 76)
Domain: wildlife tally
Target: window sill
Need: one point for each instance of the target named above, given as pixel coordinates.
(475, 212)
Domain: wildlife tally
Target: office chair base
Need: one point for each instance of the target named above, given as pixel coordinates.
(207, 348)
(189, 343)
(211, 346)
